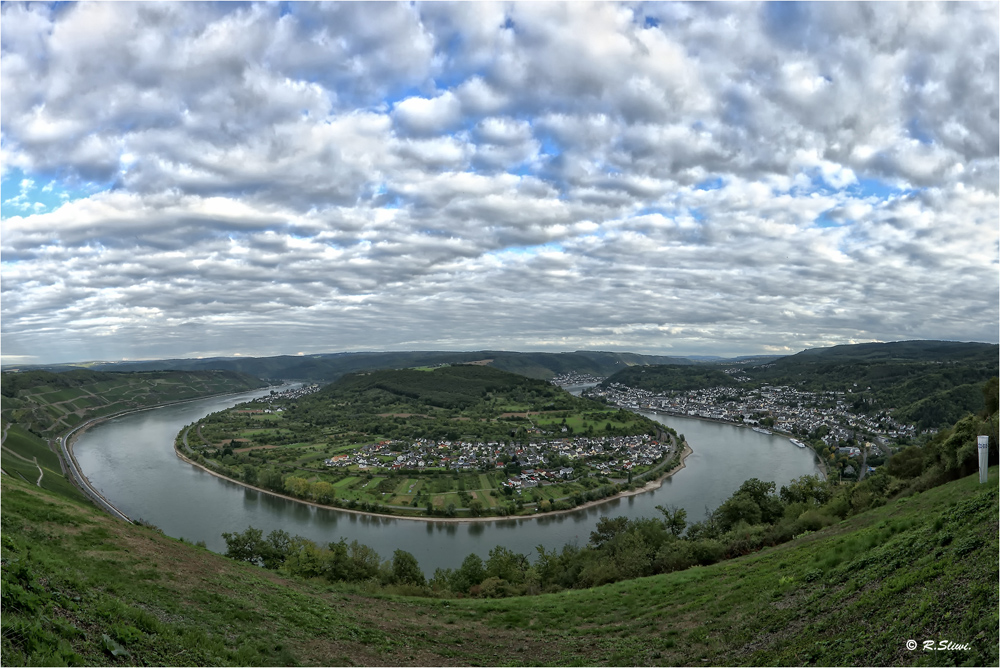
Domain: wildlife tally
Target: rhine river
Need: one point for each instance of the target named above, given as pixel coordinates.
(131, 460)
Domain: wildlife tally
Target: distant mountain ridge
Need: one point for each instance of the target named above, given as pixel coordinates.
(328, 367)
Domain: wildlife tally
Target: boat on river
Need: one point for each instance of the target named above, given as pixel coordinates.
(797, 442)
(761, 430)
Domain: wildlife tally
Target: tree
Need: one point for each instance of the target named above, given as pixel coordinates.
(469, 574)
(251, 547)
(249, 474)
(809, 489)
(405, 569)
(297, 486)
(907, 463)
(674, 519)
(506, 565)
(322, 491)
(245, 546)
(608, 528)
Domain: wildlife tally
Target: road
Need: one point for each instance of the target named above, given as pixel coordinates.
(80, 479)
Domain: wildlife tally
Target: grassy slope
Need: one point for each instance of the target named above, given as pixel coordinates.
(49, 403)
(923, 568)
(31, 447)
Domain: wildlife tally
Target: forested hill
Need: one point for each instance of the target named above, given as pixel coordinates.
(898, 351)
(48, 403)
(926, 383)
(329, 367)
(446, 387)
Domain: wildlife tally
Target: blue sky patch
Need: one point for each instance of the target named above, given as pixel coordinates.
(23, 195)
(824, 220)
(529, 250)
(711, 184)
(865, 188)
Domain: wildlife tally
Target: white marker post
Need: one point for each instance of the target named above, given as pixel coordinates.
(984, 456)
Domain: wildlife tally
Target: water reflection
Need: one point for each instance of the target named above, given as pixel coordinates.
(131, 458)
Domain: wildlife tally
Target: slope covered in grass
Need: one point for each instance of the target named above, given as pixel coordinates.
(79, 587)
(29, 457)
(50, 403)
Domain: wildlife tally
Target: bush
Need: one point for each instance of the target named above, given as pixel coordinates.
(675, 555)
(708, 551)
(493, 587)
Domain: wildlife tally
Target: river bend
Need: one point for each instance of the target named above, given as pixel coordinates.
(131, 460)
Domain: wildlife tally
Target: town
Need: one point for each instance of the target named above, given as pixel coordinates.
(818, 415)
(529, 465)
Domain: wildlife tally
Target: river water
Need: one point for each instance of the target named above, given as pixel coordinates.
(131, 460)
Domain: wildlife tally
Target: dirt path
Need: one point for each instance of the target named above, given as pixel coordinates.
(41, 474)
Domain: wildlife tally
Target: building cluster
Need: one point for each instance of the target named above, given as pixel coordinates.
(602, 455)
(792, 411)
(275, 396)
(574, 378)
(294, 393)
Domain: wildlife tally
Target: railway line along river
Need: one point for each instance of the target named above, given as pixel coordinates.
(130, 460)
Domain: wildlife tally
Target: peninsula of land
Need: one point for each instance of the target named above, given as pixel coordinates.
(460, 442)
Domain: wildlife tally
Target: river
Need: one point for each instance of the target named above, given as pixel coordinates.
(131, 460)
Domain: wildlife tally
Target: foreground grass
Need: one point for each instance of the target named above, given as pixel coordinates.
(79, 587)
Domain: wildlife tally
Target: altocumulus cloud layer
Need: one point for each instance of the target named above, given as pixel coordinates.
(193, 179)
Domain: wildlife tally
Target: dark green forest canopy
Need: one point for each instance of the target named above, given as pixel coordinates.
(448, 387)
(473, 402)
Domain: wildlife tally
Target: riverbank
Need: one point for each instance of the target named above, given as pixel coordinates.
(819, 460)
(68, 457)
(648, 487)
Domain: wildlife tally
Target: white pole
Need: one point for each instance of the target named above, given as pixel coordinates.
(984, 455)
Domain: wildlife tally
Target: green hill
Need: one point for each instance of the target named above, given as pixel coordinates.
(671, 377)
(81, 588)
(446, 387)
(49, 403)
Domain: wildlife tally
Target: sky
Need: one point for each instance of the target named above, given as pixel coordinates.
(192, 179)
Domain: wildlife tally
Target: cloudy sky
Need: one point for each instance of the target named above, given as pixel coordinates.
(191, 179)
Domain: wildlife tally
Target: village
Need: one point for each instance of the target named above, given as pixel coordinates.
(822, 415)
(528, 465)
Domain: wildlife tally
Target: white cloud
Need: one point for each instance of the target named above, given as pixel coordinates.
(699, 178)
